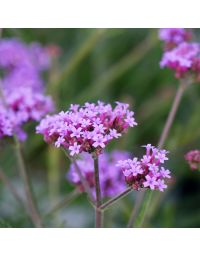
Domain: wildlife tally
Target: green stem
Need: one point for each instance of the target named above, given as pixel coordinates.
(116, 199)
(12, 189)
(98, 212)
(145, 205)
(74, 194)
(34, 214)
(139, 199)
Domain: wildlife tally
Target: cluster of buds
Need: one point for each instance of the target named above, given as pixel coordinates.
(193, 159)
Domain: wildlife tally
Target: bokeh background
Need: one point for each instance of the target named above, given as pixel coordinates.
(110, 65)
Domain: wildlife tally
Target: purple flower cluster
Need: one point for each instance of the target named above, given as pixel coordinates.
(193, 159)
(87, 129)
(22, 85)
(111, 178)
(182, 59)
(181, 56)
(146, 172)
(174, 36)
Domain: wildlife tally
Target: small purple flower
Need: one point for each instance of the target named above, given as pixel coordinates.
(114, 134)
(59, 142)
(150, 182)
(161, 185)
(76, 132)
(74, 149)
(164, 173)
(99, 140)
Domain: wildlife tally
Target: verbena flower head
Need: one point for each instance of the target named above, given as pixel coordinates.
(22, 85)
(88, 128)
(193, 159)
(146, 172)
(28, 105)
(24, 105)
(111, 178)
(182, 59)
(174, 36)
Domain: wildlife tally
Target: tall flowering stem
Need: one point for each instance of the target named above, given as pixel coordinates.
(172, 114)
(33, 211)
(98, 193)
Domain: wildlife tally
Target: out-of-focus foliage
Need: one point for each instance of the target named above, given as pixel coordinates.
(110, 65)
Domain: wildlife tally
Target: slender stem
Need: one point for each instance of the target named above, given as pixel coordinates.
(74, 194)
(115, 199)
(171, 115)
(13, 190)
(98, 194)
(83, 180)
(145, 205)
(136, 209)
(34, 214)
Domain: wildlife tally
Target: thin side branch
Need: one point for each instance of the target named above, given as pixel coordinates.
(115, 199)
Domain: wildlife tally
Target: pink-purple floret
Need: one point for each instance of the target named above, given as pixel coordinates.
(146, 172)
(88, 128)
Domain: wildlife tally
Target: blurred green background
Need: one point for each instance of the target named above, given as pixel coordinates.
(110, 65)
